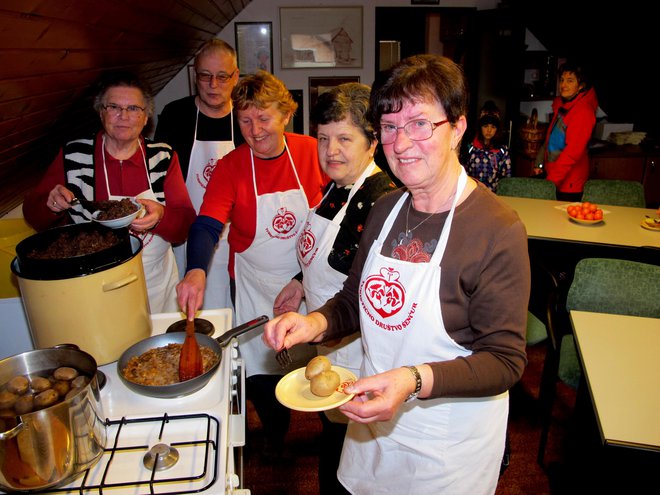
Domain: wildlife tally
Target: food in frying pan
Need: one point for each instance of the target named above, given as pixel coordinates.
(112, 209)
(316, 365)
(160, 365)
(24, 394)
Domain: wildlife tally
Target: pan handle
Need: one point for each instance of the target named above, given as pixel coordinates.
(6, 435)
(224, 339)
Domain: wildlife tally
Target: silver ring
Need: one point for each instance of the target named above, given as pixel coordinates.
(54, 203)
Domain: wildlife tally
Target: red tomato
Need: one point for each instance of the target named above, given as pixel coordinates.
(598, 214)
(593, 207)
(589, 216)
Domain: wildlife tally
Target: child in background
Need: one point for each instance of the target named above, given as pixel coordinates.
(488, 156)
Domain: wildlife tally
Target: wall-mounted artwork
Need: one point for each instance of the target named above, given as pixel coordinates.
(254, 46)
(317, 37)
(319, 85)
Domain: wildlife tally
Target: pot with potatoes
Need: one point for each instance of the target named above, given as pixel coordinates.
(51, 418)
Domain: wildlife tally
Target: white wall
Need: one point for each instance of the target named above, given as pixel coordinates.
(268, 11)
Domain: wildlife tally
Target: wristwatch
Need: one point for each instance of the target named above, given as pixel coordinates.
(418, 383)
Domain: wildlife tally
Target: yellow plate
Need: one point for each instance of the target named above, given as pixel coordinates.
(648, 226)
(293, 392)
(585, 222)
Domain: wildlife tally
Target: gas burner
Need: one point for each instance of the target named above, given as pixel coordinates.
(202, 326)
(160, 457)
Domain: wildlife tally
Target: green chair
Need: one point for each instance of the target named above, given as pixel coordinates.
(614, 192)
(544, 285)
(599, 285)
(527, 187)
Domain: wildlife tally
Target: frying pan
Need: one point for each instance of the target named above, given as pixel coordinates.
(189, 386)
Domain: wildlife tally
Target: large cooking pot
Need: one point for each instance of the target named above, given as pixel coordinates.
(101, 309)
(189, 386)
(60, 267)
(51, 446)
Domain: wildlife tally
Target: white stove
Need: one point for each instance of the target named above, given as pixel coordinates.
(206, 430)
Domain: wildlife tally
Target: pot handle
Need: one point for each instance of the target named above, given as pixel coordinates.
(6, 435)
(120, 283)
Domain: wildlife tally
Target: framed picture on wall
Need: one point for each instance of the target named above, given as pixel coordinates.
(297, 122)
(254, 46)
(316, 37)
(192, 87)
(319, 85)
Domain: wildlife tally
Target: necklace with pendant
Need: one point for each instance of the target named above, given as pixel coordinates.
(408, 231)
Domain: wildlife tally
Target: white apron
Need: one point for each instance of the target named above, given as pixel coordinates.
(158, 260)
(321, 281)
(437, 446)
(203, 159)
(265, 267)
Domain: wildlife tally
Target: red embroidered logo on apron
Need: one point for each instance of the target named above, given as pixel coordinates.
(204, 178)
(283, 223)
(385, 293)
(306, 244)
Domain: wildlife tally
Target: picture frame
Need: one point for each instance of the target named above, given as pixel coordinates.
(254, 46)
(297, 122)
(318, 37)
(319, 85)
(192, 87)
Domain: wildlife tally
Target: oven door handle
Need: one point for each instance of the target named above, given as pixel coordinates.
(237, 421)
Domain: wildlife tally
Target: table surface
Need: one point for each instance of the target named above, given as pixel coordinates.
(547, 219)
(619, 354)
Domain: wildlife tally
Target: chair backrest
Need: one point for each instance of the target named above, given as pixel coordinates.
(541, 309)
(615, 286)
(527, 187)
(614, 192)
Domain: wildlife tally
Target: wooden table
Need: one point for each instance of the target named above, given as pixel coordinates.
(547, 219)
(619, 356)
(560, 243)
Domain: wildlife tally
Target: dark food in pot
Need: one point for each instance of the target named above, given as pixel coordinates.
(24, 394)
(111, 209)
(160, 366)
(71, 244)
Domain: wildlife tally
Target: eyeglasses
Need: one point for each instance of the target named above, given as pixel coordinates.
(416, 130)
(133, 111)
(222, 77)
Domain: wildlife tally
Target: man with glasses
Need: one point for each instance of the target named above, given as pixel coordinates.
(201, 129)
(118, 162)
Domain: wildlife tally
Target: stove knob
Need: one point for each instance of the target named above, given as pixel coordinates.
(234, 352)
(234, 379)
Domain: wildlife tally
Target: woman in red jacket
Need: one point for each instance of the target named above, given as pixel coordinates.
(574, 116)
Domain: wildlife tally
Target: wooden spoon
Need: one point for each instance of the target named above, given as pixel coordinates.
(190, 362)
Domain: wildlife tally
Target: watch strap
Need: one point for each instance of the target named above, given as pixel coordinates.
(418, 383)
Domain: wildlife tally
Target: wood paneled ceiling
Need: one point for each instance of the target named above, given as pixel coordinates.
(52, 53)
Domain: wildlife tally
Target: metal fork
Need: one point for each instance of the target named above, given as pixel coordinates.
(283, 358)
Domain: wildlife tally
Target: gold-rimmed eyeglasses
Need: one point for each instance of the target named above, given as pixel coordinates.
(416, 130)
(221, 77)
(114, 110)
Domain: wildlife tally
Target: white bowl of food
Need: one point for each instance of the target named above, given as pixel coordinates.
(117, 214)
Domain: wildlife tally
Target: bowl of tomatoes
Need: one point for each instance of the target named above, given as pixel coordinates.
(585, 213)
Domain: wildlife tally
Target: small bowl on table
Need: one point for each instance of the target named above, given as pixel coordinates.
(584, 221)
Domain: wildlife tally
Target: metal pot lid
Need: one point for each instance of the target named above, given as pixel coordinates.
(205, 327)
